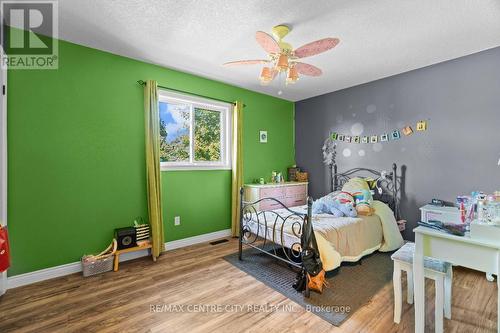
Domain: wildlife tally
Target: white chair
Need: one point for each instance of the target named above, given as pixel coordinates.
(442, 274)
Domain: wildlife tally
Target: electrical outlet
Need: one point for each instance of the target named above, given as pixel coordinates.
(177, 220)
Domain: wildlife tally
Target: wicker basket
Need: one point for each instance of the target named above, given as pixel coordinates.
(301, 176)
(101, 263)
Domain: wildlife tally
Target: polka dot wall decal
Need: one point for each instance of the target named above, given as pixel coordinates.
(371, 108)
(361, 152)
(357, 129)
(346, 152)
(377, 147)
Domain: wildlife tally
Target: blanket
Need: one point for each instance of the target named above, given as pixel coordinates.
(349, 239)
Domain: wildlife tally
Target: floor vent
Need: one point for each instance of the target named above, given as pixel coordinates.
(219, 241)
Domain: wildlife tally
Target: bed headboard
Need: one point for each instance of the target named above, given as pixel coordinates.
(388, 181)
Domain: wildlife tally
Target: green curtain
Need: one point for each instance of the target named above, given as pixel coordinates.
(152, 122)
(237, 168)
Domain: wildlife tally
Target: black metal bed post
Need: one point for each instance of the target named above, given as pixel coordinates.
(395, 189)
(308, 225)
(334, 177)
(309, 208)
(240, 236)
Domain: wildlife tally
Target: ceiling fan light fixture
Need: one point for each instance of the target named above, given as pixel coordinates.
(293, 76)
(266, 75)
(282, 64)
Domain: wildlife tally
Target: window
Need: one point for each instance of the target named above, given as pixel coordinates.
(195, 133)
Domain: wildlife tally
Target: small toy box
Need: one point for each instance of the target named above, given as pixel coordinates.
(441, 214)
(485, 231)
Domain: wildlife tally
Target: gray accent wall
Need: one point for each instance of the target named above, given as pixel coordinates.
(458, 153)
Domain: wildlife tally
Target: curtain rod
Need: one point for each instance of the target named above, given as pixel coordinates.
(141, 82)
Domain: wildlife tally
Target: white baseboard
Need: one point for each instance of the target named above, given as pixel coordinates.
(197, 239)
(43, 274)
(75, 267)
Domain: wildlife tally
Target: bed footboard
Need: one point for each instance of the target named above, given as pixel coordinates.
(275, 234)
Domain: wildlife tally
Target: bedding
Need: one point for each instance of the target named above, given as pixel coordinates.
(339, 239)
(356, 184)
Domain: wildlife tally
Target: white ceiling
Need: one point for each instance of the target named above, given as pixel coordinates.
(378, 38)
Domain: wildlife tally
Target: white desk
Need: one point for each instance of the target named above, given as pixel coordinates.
(461, 251)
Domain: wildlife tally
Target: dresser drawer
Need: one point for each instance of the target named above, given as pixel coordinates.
(295, 191)
(270, 205)
(272, 192)
(290, 194)
(292, 202)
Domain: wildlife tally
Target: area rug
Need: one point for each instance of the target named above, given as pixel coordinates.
(351, 286)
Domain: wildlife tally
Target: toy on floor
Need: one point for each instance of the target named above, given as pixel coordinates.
(339, 205)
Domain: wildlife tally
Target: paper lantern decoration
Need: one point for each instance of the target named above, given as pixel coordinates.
(384, 137)
(422, 125)
(356, 139)
(334, 136)
(374, 139)
(407, 130)
(395, 135)
(348, 138)
(364, 139)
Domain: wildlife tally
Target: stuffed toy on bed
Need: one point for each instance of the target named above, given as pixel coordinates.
(364, 200)
(336, 204)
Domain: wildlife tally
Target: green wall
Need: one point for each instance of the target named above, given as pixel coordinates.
(76, 156)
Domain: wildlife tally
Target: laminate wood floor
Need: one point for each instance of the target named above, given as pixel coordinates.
(136, 299)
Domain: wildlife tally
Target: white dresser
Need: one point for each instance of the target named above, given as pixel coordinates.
(291, 194)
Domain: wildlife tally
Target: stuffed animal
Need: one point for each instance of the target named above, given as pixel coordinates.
(343, 197)
(331, 205)
(339, 210)
(364, 200)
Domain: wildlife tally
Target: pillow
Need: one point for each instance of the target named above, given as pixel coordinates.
(340, 196)
(355, 185)
(344, 197)
(372, 183)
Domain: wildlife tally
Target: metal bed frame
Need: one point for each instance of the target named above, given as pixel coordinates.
(390, 183)
(270, 240)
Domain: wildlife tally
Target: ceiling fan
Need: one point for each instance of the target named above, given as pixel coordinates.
(282, 58)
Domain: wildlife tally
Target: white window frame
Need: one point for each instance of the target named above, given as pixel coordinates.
(226, 111)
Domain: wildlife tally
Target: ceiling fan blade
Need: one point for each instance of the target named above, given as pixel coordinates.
(267, 42)
(306, 69)
(246, 62)
(316, 47)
